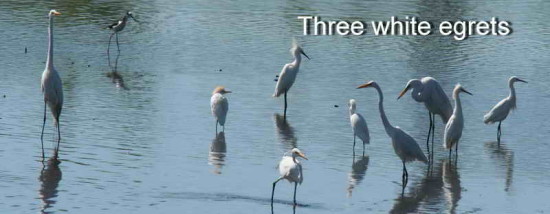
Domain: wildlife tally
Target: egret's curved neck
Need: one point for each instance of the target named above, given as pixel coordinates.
(385, 121)
(512, 90)
(49, 60)
(351, 110)
(297, 59)
(458, 105)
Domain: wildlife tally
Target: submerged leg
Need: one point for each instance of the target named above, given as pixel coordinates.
(109, 51)
(499, 132)
(42, 135)
(456, 153)
(429, 133)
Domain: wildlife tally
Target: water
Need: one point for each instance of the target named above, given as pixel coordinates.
(152, 147)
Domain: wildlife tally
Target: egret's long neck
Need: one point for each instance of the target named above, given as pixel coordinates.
(512, 94)
(49, 60)
(385, 121)
(297, 59)
(458, 105)
(351, 110)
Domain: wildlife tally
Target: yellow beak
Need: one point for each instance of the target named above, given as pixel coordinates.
(302, 155)
(403, 92)
(57, 13)
(364, 85)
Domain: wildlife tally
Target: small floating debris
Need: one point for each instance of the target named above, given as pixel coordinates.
(336, 106)
(25, 50)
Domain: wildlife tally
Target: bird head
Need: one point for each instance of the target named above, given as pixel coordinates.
(53, 13)
(131, 15)
(296, 50)
(297, 153)
(352, 105)
(221, 90)
(414, 83)
(458, 88)
(516, 79)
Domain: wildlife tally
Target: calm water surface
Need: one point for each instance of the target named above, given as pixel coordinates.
(151, 145)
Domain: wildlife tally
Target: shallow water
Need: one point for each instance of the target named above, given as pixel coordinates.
(151, 146)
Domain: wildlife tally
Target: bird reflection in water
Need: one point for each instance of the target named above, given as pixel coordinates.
(286, 132)
(50, 175)
(216, 157)
(358, 170)
(439, 191)
(504, 159)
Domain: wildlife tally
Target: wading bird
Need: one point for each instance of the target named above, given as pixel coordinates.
(291, 170)
(219, 106)
(453, 129)
(428, 91)
(500, 111)
(289, 72)
(359, 126)
(117, 27)
(404, 145)
(52, 87)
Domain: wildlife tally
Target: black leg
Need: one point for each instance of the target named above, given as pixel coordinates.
(42, 135)
(118, 55)
(58, 139)
(273, 190)
(498, 133)
(429, 133)
(363, 149)
(450, 151)
(295, 187)
(109, 51)
(456, 153)
(354, 144)
(284, 115)
(433, 136)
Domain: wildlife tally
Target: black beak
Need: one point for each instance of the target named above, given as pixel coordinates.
(520, 80)
(131, 16)
(305, 54)
(467, 92)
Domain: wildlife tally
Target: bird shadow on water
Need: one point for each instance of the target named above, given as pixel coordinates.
(50, 176)
(358, 171)
(439, 191)
(218, 150)
(504, 158)
(285, 132)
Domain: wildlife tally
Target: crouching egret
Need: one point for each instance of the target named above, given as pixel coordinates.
(291, 170)
(500, 111)
(52, 88)
(453, 129)
(404, 145)
(428, 91)
(289, 72)
(219, 106)
(359, 126)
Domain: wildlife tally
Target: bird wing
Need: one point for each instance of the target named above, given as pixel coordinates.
(360, 128)
(453, 132)
(499, 112)
(439, 102)
(406, 147)
(285, 81)
(219, 107)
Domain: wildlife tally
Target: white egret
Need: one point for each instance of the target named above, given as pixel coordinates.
(359, 126)
(500, 111)
(117, 27)
(52, 87)
(453, 129)
(291, 170)
(404, 145)
(219, 106)
(289, 72)
(428, 91)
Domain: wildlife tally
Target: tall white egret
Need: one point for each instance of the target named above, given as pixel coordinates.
(117, 27)
(359, 126)
(219, 106)
(428, 91)
(52, 87)
(453, 129)
(404, 145)
(289, 72)
(291, 170)
(500, 111)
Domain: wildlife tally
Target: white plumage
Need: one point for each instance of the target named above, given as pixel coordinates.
(453, 129)
(291, 170)
(52, 86)
(404, 145)
(289, 72)
(219, 105)
(501, 110)
(358, 125)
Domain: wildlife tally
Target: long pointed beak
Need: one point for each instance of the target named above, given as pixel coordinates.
(522, 80)
(134, 18)
(228, 92)
(303, 156)
(305, 54)
(467, 92)
(403, 91)
(364, 85)
(57, 13)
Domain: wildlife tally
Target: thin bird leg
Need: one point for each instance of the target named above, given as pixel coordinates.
(363, 149)
(295, 187)
(273, 190)
(42, 135)
(284, 116)
(498, 133)
(216, 127)
(433, 135)
(118, 55)
(456, 153)
(450, 151)
(109, 51)
(354, 144)
(429, 132)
